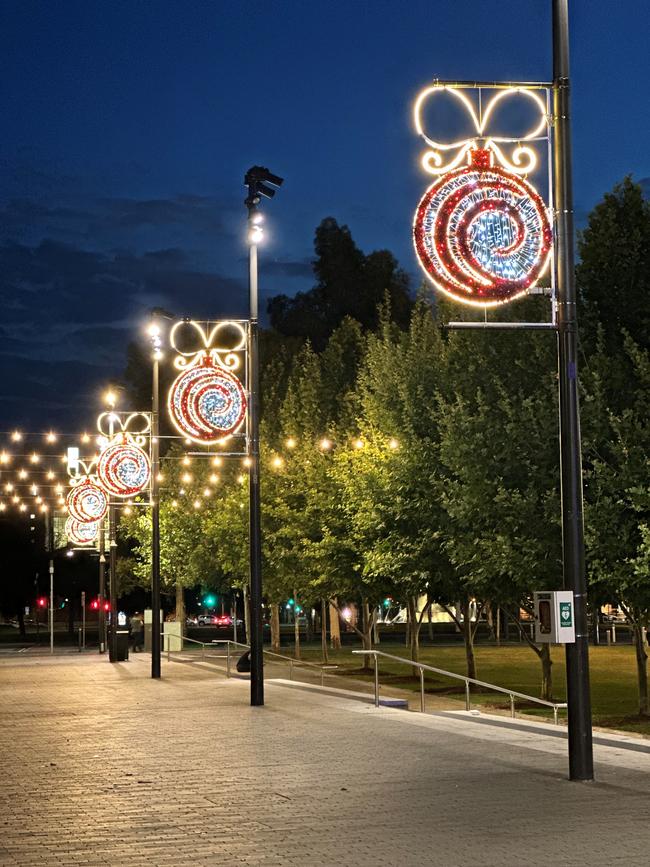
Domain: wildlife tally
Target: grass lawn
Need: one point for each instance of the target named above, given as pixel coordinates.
(613, 677)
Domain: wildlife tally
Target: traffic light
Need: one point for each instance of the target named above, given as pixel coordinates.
(95, 604)
(210, 601)
(42, 601)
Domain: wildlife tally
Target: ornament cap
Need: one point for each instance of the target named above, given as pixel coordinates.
(480, 158)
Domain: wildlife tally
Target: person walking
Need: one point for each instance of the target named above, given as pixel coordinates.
(137, 632)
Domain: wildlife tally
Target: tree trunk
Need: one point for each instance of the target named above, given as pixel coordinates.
(309, 625)
(335, 627)
(430, 621)
(296, 627)
(247, 615)
(547, 675)
(497, 632)
(275, 627)
(468, 637)
(375, 627)
(414, 631)
(71, 618)
(180, 606)
(20, 616)
(641, 667)
(323, 631)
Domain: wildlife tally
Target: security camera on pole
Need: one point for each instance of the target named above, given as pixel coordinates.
(260, 182)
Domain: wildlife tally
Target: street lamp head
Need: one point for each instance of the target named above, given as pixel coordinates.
(110, 398)
(255, 235)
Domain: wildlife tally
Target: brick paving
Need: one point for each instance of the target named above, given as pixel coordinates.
(103, 766)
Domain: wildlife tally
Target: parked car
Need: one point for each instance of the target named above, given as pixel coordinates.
(205, 619)
(223, 620)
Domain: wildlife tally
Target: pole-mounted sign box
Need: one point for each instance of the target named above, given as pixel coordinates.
(554, 617)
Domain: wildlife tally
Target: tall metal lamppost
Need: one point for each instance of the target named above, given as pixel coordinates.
(156, 346)
(102, 587)
(581, 765)
(444, 220)
(257, 179)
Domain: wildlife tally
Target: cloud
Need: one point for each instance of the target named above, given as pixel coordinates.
(108, 223)
(301, 268)
(70, 313)
(79, 275)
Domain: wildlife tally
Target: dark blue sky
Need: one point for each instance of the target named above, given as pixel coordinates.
(127, 127)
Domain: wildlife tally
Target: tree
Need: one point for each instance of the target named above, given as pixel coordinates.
(349, 283)
(389, 483)
(617, 494)
(614, 279)
(613, 276)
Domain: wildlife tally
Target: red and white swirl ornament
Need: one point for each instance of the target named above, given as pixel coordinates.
(123, 469)
(81, 533)
(482, 234)
(207, 403)
(87, 502)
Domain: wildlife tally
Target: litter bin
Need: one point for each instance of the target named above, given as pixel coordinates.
(121, 653)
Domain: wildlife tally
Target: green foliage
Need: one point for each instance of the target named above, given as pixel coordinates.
(614, 271)
(349, 283)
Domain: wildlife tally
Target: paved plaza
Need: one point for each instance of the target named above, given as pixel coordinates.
(103, 766)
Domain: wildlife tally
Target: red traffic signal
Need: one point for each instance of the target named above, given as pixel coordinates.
(107, 606)
(42, 601)
(94, 604)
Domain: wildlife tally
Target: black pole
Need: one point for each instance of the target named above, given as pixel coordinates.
(50, 548)
(255, 639)
(113, 576)
(155, 521)
(102, 589)
(581, 765)
(260, 182)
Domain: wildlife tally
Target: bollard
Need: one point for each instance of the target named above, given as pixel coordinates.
(512, 706)
(421, 690)
(608, 633)
(228, 659)
(467, 698)
(613, 633)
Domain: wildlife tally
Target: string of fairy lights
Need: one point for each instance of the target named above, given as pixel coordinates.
(38, 480)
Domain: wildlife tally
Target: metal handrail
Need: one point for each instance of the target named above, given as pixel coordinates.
(228, 642)
(556, 705)
(323, 668)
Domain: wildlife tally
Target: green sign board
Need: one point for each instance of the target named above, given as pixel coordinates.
(566, 614)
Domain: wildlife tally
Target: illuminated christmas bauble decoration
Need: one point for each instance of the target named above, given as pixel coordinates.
(81, 533)
(482, 234)
(87, 502)
(207, 403)
(123, 468)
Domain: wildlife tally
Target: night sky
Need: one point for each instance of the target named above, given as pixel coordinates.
(127, 127)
